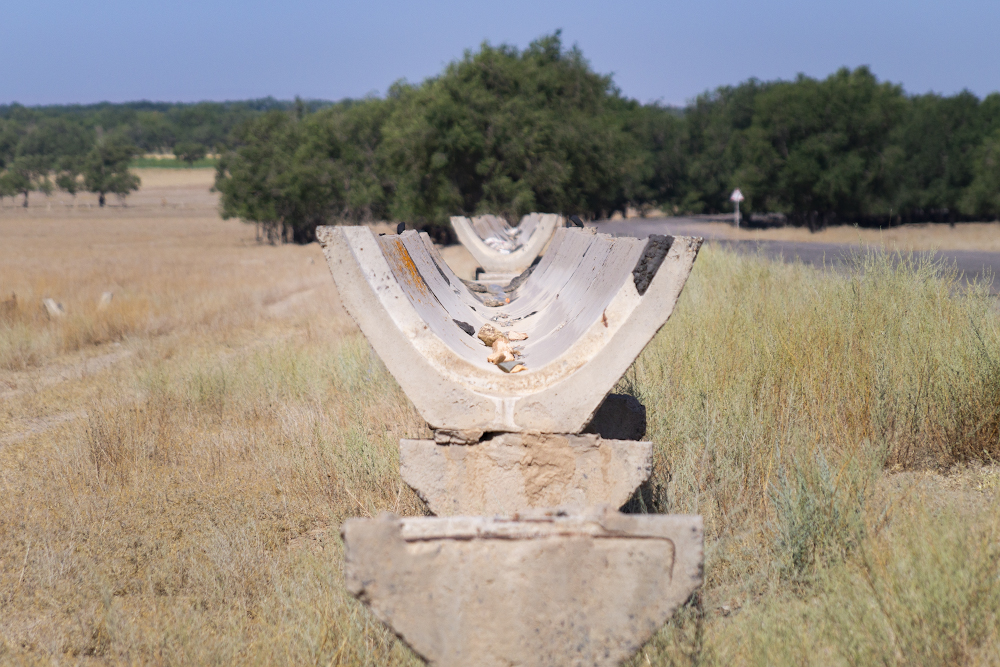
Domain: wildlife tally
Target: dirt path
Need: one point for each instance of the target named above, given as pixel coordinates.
(36, 379)
(40, 425)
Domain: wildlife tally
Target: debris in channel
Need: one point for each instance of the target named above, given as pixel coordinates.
(502, 351)
(511, 367)
(489, 333)
(503, 355)
(465, 326)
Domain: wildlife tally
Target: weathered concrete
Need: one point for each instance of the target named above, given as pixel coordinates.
(517, 471)
(504, 250)
(588, 589)
(585, 319)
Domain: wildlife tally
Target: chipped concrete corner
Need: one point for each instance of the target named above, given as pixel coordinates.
(584, 589)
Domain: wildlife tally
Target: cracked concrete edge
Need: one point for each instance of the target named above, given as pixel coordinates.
(450, 393)
(515, 262)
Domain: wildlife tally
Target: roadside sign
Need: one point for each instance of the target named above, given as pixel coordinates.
(737, 196)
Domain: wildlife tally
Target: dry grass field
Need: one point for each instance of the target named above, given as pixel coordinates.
(174, 467)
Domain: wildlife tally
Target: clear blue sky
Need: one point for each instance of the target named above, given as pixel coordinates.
(66, 51)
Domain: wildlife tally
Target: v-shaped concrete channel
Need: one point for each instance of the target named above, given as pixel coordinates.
(504, 250)
(589, 307)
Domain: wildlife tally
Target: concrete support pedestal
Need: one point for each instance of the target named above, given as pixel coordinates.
(517, 471)
(585, 589)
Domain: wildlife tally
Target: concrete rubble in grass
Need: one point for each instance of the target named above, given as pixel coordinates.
(545, 589)
(501, 250)
(516, 471)
(53, 308)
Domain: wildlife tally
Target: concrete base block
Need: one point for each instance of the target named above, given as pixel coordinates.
(516, 471)
(588, 589)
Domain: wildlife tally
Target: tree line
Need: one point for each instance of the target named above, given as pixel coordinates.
(89, 147)
(508, 131)
(55, 152)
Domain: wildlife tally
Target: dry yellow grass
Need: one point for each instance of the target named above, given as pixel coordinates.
(174, 469)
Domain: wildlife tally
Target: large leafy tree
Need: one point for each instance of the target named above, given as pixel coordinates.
(935, 150)
(106, 167)
(982, 198)
(510, 131)
(821, 147)
(714, 147)
(293, 171)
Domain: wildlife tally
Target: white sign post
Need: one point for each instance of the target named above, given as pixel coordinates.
(737, 197)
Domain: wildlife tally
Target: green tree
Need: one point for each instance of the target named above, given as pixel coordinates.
(39, 148)
(68, 172)
(509, 131)
(293, 171)
(189, 151)
(713, 146)
(105, 168)
(982, 198)
(935, 145)
(817, 150)
(663, 179)
(267, 181)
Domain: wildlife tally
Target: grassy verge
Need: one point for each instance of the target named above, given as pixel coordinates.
(193, 516)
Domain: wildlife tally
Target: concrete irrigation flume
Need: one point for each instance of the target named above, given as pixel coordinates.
(502, 250)
(588, 308)
(513, 377)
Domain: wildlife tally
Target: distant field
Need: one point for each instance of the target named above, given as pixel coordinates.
(175, 466)
(171, 163)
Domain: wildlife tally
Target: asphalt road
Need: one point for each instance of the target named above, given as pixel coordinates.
(972, 264)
